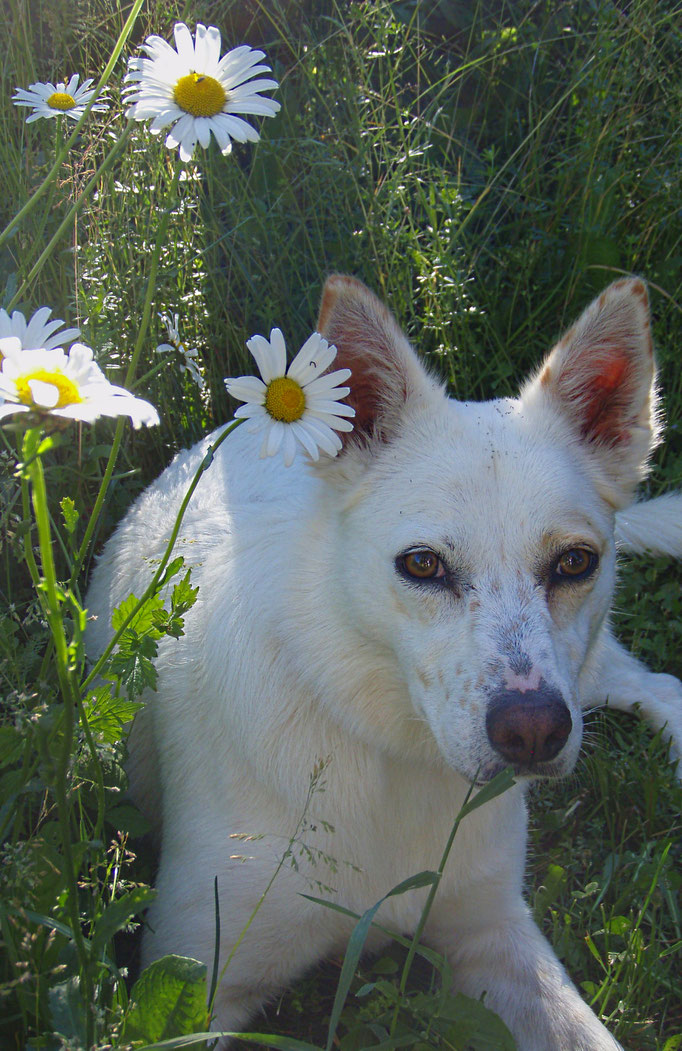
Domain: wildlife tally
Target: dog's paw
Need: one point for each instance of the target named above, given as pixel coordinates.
(662, 709)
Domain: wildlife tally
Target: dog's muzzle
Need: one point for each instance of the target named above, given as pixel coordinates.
(528, 728)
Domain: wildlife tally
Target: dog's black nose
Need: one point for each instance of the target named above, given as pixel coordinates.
(528, 728)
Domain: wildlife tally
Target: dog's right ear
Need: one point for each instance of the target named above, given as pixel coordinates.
(386, 375)
(600, 379)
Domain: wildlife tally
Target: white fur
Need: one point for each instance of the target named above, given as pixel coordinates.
(307, 644)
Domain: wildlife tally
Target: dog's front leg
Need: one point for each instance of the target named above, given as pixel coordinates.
(613, 676)
(502, 956)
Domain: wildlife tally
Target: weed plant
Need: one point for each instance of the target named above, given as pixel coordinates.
(486, 168)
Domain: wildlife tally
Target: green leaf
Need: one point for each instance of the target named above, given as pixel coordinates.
(167, 1000)
(184, 595)
(143, 621)
(117, 916)
(499, 784)
(108, 714)
(472, 1025)
(67, 1009)
(11, 744)
(127, 818)
(133, 662)
(71, 515)
(619, 925)
(356, 944)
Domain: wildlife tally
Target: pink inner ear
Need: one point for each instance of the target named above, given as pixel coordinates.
(605, 396)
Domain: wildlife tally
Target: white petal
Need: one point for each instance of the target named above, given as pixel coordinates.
(335, 408)
(289, 446)
(46, 395)
(246, 388)
(271, 364)
(239, 129)
(328, 383)
(273, 439)
(251, 411)
(257, 106)
(184, 43)
(10, 346)
(306, 439)
(202, 128)
(323, 435)
(7, 408)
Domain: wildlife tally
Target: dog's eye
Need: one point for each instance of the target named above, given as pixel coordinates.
(422, 564)
(575, 564)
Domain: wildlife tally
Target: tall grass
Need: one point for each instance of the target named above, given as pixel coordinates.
(486, 168)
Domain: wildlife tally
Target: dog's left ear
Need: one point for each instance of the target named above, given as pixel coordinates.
(600, 378)
(387, 379)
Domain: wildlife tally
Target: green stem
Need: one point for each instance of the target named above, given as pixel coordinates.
(51, 604)
(132, 366)
(154, 585)
(54, 170)
(426, 910)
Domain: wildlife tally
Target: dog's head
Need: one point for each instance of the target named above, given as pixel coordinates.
(476, 539)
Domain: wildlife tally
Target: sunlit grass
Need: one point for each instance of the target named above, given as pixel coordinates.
(486, 169)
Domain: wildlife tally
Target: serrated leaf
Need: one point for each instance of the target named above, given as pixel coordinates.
(167, 1000)
(108, 714)
(70, 514)
(143, 621)
(184, 595)
(133, 663)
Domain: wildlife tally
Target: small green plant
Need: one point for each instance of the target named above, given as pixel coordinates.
(486, 167)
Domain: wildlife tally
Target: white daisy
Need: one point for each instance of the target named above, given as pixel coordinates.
(38, 332)
(196, 91)
(50, 100)
(71, 386)
(189, 354)
(295, 404)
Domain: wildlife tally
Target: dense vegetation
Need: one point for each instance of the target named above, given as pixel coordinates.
(486, 168)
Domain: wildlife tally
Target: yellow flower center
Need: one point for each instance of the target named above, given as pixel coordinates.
(67, 390)
(285, 400)
(199, 95)
(61, 100)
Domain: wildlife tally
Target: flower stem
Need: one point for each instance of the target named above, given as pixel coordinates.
(154, 585)
(49, 595)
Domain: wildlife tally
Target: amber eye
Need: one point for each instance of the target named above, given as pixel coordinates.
(422, 564)
(576, 564)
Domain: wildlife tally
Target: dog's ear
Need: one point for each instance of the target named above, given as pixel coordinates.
(600, 378)
(386, 376)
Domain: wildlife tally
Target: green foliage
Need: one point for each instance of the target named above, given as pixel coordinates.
(486, 167)
(169, 999)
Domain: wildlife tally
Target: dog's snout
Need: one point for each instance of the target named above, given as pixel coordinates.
(528, 728)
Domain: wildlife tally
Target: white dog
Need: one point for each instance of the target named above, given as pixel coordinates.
(424, 610)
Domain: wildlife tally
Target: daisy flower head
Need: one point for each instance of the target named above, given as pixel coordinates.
(298, 405)
(50, 383)
(189, 355)
(195, 92)
(51, 100)
(37, 332)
